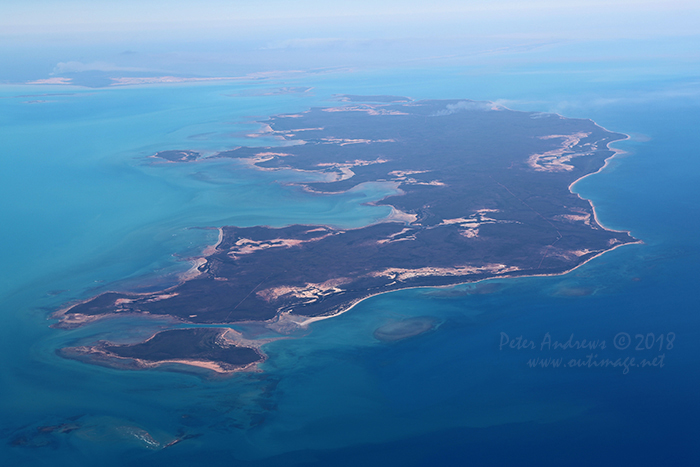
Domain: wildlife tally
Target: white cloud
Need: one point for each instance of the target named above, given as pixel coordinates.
(462, 106)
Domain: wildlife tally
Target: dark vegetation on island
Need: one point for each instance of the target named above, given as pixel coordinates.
(484, 192)
(178, 156)
(192, 344)
(187, 344)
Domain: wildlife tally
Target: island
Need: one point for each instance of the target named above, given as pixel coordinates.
(479, 191)
(177, 156)
(206, 348)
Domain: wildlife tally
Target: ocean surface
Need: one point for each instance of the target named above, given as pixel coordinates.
(84, 210)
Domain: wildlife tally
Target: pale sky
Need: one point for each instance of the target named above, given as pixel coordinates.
(39, 38)
(558, 16)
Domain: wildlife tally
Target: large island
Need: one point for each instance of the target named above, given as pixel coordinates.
(480, 191)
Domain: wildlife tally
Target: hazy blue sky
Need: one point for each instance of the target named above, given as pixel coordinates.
(571, 17)
(213, 37)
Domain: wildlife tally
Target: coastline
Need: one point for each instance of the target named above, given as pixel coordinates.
(616, 152)
(309, 320)
(100, 354)
(191, 273)
(284, 319)
(285, 322)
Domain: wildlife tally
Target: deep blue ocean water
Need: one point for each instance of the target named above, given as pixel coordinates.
(84, 211)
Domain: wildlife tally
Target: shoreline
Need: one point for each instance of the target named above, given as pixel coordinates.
(183, 277)
(312, 319)
(286, 322)
(99, 355)
(309, 320)
(288, 317)
(283, 323)
(616, 152)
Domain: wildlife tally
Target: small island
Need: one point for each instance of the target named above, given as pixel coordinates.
(480, 192)
(205, 348)
(177, 156)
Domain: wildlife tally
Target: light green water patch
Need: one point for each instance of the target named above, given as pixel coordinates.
(394, 331)
(229, 192)
(84, 211)
(82, 205)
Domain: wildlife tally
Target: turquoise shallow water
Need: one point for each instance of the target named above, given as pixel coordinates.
(83, 211)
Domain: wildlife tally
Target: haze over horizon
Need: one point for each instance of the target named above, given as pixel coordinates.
(39, 39)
